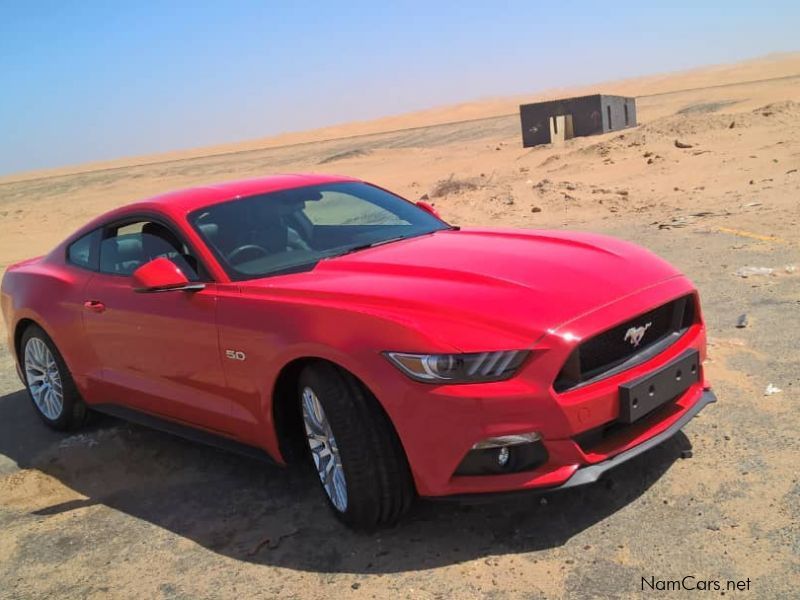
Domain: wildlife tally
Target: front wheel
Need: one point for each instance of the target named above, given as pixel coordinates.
(49, 382)
(354, 448)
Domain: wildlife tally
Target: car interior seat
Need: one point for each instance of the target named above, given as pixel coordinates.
(159, 240)
(271, 231)
(122, 255)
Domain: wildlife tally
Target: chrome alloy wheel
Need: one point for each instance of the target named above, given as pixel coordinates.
(44, 379)
(324, 450)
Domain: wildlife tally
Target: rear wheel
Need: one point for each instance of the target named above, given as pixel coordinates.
(354, 448)
(49, 382)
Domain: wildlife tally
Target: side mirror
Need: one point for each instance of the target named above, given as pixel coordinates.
(161, 275)
(428, 208)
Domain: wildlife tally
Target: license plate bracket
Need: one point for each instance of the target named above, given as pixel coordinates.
(642, 396)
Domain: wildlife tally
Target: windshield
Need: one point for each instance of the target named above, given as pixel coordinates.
(292, 230)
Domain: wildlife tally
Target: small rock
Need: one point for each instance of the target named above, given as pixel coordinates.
(424, 197)
(80, 439)
(746, 272)
(742, 321)
(529, 182)
(535, 209)
(752, 182)
(355, 585)
(732, 125)
(509, 200)
(622, 192)
(679, 144)
(790, 268)
(791, 171)
(650, 161)
(772, 389)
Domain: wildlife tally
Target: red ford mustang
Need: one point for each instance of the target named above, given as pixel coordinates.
(308, 314)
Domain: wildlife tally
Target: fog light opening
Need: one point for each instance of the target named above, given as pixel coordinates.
(504, 455)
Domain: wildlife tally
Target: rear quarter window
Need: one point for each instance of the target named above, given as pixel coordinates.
(83, 252)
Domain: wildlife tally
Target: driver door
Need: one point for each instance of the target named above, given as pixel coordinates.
(159, 352)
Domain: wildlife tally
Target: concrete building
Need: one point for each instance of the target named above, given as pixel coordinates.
(559, 120)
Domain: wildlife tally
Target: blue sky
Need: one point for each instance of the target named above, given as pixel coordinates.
(83, 81)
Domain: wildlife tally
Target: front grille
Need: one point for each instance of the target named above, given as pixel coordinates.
(614, 349)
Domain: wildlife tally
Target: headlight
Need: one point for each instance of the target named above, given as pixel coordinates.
(459, 368)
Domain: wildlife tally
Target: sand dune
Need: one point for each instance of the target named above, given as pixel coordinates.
(773, 67)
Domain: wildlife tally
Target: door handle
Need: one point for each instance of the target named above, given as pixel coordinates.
(94, 306)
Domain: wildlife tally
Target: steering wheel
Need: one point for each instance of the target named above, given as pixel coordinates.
(247, 252)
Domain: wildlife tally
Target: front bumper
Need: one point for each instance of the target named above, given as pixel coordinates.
(591, 473)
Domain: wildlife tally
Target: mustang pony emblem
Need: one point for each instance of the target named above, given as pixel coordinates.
(634, 335)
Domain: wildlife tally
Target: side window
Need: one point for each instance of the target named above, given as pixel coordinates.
(82, 252)
(127, 247)
(340, 208)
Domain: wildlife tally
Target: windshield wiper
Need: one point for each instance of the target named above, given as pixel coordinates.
(373, 244)
(358, 247)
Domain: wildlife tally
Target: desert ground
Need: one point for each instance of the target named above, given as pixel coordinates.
(122, 511)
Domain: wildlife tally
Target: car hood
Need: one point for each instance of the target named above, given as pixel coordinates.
(521, 283)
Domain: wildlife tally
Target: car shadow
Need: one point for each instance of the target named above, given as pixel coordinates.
(260, 513)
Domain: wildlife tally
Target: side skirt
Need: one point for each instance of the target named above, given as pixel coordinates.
(184, 431)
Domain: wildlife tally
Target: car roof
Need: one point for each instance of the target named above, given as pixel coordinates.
(190, 199)
(177, 204)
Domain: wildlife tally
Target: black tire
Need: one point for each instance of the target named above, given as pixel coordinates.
(379, 485)
(74, 412)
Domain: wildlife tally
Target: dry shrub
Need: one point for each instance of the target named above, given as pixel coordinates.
(447, 187)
